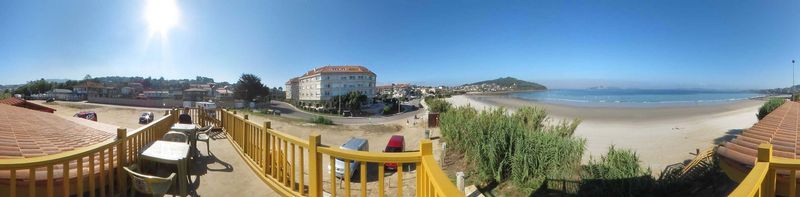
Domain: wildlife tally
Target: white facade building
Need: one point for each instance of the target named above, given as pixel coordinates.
(319, 85)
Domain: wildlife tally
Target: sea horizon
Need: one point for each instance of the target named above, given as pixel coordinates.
(636, 98)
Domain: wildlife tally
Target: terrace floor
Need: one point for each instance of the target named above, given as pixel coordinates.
(224, 172)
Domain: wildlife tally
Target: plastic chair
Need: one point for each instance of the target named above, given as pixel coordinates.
(175, 136)
(203, 136)
(148, 184)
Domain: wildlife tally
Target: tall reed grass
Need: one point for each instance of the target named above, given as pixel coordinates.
(521, 147)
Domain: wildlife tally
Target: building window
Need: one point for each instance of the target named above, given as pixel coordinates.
(344, 78)
(352, 77)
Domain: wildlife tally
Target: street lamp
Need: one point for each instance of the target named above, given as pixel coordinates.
(792, 77)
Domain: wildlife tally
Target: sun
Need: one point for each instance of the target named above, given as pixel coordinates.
(161, 15)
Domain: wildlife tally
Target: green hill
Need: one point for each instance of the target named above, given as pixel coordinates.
(513, 83)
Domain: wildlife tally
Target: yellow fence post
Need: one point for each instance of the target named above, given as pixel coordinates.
(122, 135)
(246, 136)
(765, 155)
(265, 152)
(314, 166)
(425, 149)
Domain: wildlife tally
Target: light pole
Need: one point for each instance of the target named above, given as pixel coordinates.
(792, 77)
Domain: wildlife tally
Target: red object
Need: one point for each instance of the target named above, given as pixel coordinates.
(396, 144)
(88, 115)
(25, 104)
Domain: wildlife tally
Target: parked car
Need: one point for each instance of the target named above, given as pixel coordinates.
(397, 143)
(209, 107)
(50, 100)
(356, 144)
(88, 115)
(146, 118)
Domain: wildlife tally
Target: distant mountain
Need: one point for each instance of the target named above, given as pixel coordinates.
(511, 84)
(56, 80)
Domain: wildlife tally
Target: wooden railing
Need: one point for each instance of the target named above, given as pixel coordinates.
(294, 167)
(94, 170)
(762, 179)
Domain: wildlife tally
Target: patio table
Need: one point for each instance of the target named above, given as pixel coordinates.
(170, 153)
(190, 130)
(184, 127)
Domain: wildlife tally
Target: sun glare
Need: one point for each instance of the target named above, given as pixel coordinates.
(161, 15)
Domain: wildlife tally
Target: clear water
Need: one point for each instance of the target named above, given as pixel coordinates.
(635, 97)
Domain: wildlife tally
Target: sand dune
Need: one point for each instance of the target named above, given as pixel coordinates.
(660, 135)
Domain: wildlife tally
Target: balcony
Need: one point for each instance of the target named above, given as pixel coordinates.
(246, 159)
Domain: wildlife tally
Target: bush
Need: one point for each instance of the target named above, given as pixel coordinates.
(796, 97)
(437, 105)
(769, 106)
(541, 155)
(321, 120)
(390, 108)
(618, 173)
(519, 146)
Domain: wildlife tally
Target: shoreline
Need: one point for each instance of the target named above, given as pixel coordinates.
(661, 136)
(639, 113)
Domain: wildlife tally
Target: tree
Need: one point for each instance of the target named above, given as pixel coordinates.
(250, 87)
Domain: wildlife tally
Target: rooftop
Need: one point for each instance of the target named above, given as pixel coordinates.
(339, 69)
(779, 128)
(23, 103)
(26, 133)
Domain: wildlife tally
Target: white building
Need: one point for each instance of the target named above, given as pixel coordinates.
(317, 86)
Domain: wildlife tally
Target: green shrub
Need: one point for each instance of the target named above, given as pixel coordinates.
(455, 124)
(541, 155)
(321, 120)
(520, 146)
(618, 173)
(796, 97)
(769, 106)
(437, 105)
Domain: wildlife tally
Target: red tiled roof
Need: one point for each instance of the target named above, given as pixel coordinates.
(26, 133)
(779, 128)
(338, 69)
(23, 103)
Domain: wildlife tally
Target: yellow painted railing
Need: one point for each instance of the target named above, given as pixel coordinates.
(294, 167)
(94, 170)
(762, 179)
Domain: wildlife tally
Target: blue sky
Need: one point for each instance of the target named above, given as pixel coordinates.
(562, 44)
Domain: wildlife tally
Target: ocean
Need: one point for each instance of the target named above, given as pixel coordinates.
(634, 97)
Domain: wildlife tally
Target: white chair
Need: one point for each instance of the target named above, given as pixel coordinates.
(148, 184)
(175, 136)
(203, 136)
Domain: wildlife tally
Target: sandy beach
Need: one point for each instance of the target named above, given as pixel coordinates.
(661, 136)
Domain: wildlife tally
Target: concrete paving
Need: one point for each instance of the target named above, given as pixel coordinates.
(224, 172)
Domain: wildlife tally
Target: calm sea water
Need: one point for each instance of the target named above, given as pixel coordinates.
(635, 97)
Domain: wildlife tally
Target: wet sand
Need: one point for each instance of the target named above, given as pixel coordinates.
(661, 135)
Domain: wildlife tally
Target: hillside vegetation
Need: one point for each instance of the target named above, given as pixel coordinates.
(512, 82)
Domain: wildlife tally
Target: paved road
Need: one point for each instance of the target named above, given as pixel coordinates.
(288, 110)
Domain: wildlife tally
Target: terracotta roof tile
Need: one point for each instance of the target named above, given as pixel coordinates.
(779, 128)
(23, 103)
(29, 133)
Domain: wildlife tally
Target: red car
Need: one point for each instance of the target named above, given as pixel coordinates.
(88, 115)
(396, 144)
